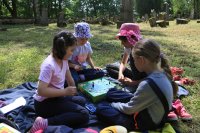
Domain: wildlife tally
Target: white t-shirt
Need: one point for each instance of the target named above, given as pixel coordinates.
(53, 74)
(80, 55)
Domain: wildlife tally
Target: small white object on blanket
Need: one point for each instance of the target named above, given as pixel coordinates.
(17, 103)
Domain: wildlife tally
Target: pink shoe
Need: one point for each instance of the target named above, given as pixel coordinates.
(181, 111)
(39, 125)
(176, 71)
(172, 116)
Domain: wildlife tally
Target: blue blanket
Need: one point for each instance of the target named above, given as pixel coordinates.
(25, 116)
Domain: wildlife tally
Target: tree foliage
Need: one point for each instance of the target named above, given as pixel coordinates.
(92, 8)
(182, 7)
(72, 8)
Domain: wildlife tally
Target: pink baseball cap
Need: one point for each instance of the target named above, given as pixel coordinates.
(129, 30)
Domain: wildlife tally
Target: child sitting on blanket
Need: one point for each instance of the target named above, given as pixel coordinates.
(148, 107)
(129, 34)
(55, 104)
(81, 56)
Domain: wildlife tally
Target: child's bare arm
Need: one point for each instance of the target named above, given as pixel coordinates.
(71, 65)
(90, 61)
(122, 66)
(70, 80)
(75, 66)
(46, 91)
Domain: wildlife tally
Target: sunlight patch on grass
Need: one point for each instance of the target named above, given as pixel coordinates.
(20, 66)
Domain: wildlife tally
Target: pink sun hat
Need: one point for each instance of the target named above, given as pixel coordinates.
(129, 30)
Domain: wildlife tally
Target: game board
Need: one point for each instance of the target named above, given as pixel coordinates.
(4, 128)
(97, 89)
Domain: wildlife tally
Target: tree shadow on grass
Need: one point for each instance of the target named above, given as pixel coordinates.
(152, 33)
(99, 45)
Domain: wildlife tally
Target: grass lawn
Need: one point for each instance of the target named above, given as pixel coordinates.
(23, 48)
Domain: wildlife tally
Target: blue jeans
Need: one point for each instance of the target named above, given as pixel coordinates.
(111, 116)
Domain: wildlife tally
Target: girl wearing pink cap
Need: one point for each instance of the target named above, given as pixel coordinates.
(129, 34)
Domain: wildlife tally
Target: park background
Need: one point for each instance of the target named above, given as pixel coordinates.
(27, 28)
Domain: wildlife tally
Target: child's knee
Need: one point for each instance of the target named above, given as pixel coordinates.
(82, 100)
(85, 114)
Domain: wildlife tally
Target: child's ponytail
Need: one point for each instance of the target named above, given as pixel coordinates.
(62, 41)
(166, 68)
(59, 47)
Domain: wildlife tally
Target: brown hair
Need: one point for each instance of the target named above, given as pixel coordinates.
(151, 50)
(61, 41)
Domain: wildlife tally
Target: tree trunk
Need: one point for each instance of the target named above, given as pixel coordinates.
(95, 8)
(196, 9)
(13, 11)
(14, 5)
(44, 18)
(59, 5)
(36, 11)
(126, 12)
(56, 11)
(29, 14)
(1, 13)
(49, 8)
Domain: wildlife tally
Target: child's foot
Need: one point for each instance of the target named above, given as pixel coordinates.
(172, 116)
(187, 81)
(176, 71)
(184, 115)
(39, 124)
(181, 111)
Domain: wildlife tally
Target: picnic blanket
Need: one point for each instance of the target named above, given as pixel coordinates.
(24, 116)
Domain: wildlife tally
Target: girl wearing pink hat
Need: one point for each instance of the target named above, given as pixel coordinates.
(129, 34)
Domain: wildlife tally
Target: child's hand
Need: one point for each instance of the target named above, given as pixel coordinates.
(70, 91)
(77, 67)
(97, 68)
(129, 82)
(126, 81)
(121, 77)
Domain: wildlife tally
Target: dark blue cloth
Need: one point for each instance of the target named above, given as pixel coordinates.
(89, 74)
(22, 116)
(111, 116)
(25, 116)
(58, 129)
(107, 114)
(115, 95)
(68, 111)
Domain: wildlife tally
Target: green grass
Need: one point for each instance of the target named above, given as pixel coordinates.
(23, 48)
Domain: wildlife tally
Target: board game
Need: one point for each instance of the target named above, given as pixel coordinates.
(96, 89)
(4, 128)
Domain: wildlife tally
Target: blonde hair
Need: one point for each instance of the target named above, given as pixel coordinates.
(151, 50)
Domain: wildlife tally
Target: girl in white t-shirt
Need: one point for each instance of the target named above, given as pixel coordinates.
(81, 56)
